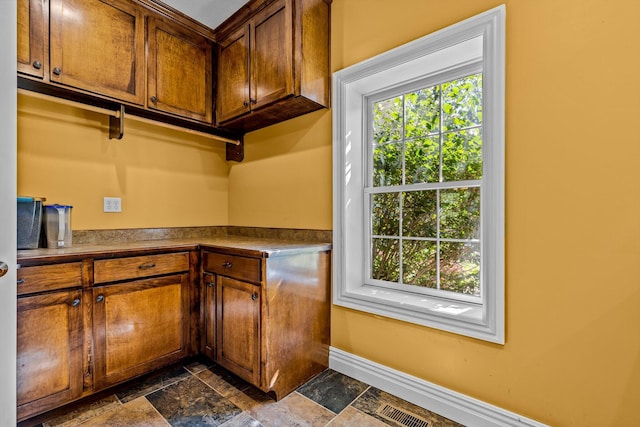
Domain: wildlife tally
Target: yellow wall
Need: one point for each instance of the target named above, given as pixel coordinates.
(165, 178)
(572, 352)
(285, 178)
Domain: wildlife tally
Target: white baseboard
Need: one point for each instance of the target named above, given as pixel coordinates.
(453, 405)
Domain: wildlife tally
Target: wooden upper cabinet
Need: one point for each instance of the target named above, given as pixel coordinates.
(233, 76)
(272, 54)
(288, 62)
(179, 71)
(98, 46)
(31, 37)
(255, 62)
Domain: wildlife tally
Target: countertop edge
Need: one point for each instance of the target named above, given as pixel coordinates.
(245, 246)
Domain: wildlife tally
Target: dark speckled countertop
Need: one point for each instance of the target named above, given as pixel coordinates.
(255, 242)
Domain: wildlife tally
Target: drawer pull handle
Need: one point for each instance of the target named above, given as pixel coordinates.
(100, 298)
(227, 264)
(75, 302)
(20, 281)
(254, 296)
(146, 266)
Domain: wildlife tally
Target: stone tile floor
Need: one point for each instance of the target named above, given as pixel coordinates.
(203, 394)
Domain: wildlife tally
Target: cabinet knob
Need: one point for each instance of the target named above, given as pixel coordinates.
(57, 71)
(210, 284)
(75, 302)
(253, 101)
(227, 264)
(245, 104)
(100, 298)
(37, 65)
(254, 296)
(154, 99)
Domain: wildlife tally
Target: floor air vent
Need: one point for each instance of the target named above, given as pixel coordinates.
(401, 416)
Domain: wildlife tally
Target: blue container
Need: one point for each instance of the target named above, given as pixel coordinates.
(29, 221)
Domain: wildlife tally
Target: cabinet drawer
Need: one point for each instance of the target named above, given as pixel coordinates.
(113, 270)
(49, 277)
(238, 267)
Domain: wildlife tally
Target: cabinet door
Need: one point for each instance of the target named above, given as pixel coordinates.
(49, 368)
(209, 334)
(31, 35)
(238, 327)
(179, 71)
(98, 46)
(139, 326)
(272, 54)
(233, 76)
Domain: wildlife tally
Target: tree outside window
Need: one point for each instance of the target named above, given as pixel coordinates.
(425, 188)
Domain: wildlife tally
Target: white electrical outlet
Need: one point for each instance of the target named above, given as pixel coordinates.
(112, 204)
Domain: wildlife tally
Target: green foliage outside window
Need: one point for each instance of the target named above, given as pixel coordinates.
(428, 236)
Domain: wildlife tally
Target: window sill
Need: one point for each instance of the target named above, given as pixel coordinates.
(440, 313)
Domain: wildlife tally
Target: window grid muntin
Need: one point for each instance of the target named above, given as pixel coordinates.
(439, 80)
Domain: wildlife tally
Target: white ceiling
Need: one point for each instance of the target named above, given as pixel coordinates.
(209, 12)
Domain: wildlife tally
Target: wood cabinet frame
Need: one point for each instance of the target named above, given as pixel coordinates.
(293, 330)
(33, 57)
(135, 364)
(188, 95)
(84, 69)
(37, 334)
(297, 79)
(285, 320)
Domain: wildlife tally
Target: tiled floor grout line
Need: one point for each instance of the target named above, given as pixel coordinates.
(316, 403)
(156, 409)
(163, 386)
(211, 387)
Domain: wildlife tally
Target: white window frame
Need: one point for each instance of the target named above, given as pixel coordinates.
(435, 53)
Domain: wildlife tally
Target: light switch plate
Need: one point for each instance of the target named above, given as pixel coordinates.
(112, 204)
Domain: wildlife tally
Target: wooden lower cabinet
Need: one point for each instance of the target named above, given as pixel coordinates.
(270, 315)
(139, 326)
(89, 323)
(49, 358)
(238, 327)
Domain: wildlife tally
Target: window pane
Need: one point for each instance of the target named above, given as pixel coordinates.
(462, 155)
(419, 215)
(422, 161)
(385, 260)
(387, 164)
(385, 214)
(419, 263)
(422, 109)
(462, 103)
(460, 213)
(387, 120)
(460, 267)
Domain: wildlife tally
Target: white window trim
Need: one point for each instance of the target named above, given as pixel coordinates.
(400, 66)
